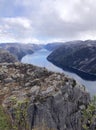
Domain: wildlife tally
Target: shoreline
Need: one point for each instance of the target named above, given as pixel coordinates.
(82, 74)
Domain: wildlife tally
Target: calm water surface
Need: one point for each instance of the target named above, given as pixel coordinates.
(39, 59)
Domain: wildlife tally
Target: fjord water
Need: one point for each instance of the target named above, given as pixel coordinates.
(39, 58)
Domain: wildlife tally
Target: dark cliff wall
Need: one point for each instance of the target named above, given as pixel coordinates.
(78, 57)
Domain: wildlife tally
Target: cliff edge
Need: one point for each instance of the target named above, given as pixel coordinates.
(52, 99)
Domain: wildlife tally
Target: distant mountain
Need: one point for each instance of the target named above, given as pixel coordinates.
(53, 46)
(20, 50)
(80, 55)
(5, 56)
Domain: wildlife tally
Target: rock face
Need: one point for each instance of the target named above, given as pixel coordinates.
(78, 55)
(60, 110)
(54, 99)
(5, 56)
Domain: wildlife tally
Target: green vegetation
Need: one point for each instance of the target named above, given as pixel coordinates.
(4, 120)
(19, 120)
(20, 114)
(89, 115)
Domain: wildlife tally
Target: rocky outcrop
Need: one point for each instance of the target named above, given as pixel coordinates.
(5, 56)
(54, 99)
(60, 111)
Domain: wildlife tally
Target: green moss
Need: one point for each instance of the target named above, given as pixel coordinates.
(4, 120)
(89, 115)
(20, 113)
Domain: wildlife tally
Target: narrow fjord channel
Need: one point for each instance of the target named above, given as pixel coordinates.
(39, 58)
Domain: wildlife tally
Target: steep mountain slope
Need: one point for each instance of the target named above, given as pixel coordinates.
(81, 56)
(5, 56)
(19, 50)
(41, 98)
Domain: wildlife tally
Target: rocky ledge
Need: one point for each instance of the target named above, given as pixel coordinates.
(53, 99)
(6, 56)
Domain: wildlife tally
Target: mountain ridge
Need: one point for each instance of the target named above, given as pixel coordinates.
(79, 56)
(19, 50)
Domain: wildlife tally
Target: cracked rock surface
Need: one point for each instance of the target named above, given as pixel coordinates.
(54, 99)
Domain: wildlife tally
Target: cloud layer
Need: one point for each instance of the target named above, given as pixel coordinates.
(47, 20)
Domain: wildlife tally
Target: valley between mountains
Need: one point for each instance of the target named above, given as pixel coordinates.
(33, 98)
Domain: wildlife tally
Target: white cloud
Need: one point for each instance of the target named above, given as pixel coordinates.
(16, 29)
(48, 20)
(24, 22)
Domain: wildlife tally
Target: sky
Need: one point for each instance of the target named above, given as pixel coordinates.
(41, 21)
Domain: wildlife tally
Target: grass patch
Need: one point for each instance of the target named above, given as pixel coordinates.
(4, 121)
